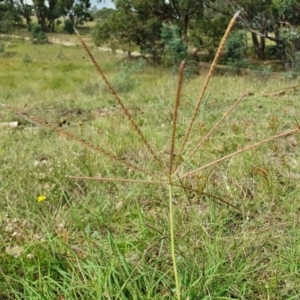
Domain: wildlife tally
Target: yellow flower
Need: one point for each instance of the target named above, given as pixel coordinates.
(41, 198)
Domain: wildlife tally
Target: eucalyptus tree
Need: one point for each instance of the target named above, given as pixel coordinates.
(206, 32)
(140, 22)
(186, 11)
(9, 15)
(134, 22)
(48, 11)
(275, 20)
(25, 10)
(255, 15)
(78, 11)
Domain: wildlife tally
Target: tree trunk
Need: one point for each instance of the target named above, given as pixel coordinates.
(51, 26)
(185, 29)
(282, 56)
(28, 21)
(263, 46)
(26, 11)
(259, 46)
(41, 21)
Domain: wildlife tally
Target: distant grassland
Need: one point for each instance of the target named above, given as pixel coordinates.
(92, 240)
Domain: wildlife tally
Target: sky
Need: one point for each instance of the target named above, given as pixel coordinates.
(103, 3)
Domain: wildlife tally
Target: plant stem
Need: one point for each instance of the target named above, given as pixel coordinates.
(171, 217)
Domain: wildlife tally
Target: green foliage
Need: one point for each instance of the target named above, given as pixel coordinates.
(110, 27)
(68, 26)
(236, 46)
(8, 15)
(291, 41)
(128, 28)
(273, 20)
(139, 23)
(6, 25)
(295, 65)
(206, 33)
(175, 49)
(25, 11)
(289, 9)
(125, 81)
(58, 22)
(271, 52)
(49, 12)
(79, 11)
(38, 36)
(103, 14)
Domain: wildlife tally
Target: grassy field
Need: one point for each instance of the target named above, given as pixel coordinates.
(64, 238)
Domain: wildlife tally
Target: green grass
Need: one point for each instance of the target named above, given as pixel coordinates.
(92, 240)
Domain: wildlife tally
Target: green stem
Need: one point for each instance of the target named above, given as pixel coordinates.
(171, 216)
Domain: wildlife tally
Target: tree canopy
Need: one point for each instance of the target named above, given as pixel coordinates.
(141, 21)
(47, 12)
(9, 14)
(275, 20)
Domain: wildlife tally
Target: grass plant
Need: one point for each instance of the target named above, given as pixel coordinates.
(82, 240)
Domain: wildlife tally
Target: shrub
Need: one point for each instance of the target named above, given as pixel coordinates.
(296, 65)
(68, 26)
(175, 48)
(6, 25)
(123, 82)
(236, 47)
(38, 36)
(58, 22)
(271, 52)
